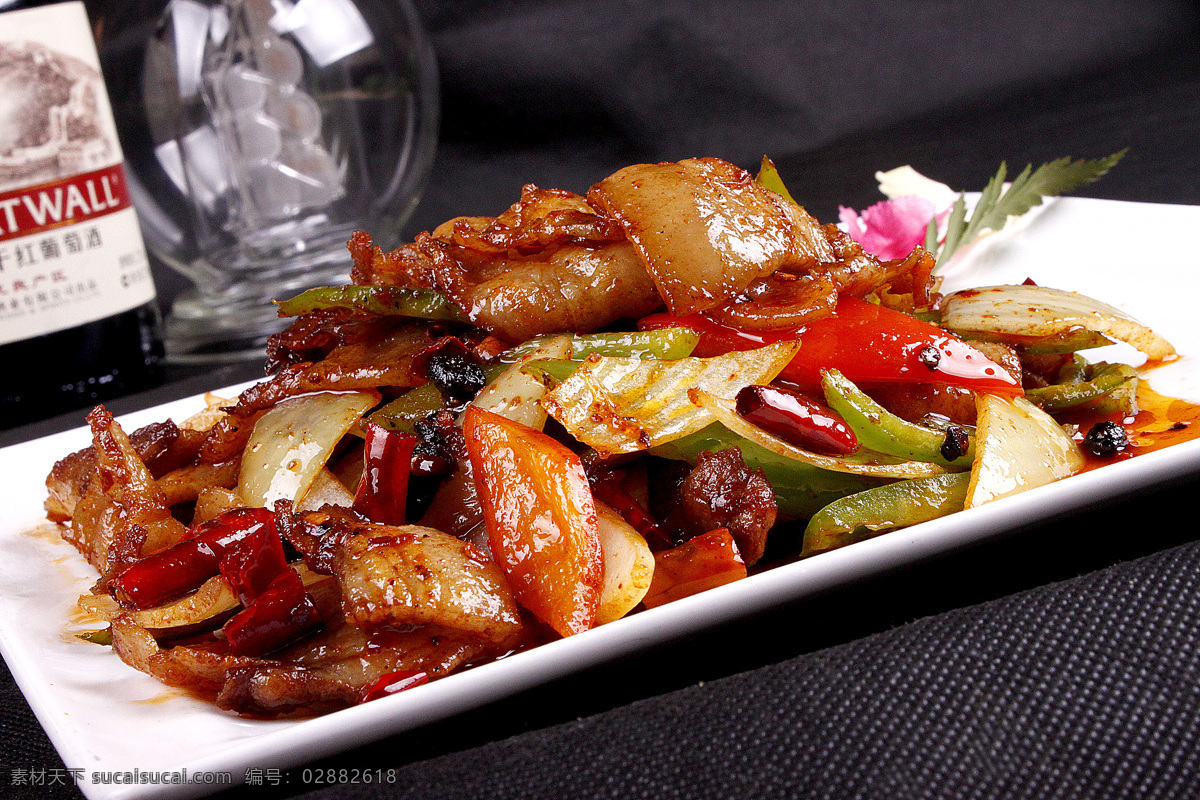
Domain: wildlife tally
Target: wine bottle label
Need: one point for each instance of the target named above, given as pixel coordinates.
(71, 251)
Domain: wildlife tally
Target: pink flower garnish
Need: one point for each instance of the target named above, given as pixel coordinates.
(890, 228)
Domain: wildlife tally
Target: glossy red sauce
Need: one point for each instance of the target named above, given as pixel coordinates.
(1160, 422)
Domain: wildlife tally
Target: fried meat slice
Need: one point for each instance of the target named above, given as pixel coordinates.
(722, 492)
(550, 263)
(383, 360)
(334, 668)
(417, 575)
(122, 515)
(706, 229)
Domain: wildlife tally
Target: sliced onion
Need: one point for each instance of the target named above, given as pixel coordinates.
(621, 405)
(291, 443)
(326, 490)
(515, 394)
(214, 410)
(213, 599)
(1018, 447)
(725, 412)
(1038, 312)
(628, 565)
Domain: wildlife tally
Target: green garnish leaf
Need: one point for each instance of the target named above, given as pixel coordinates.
(997, 203)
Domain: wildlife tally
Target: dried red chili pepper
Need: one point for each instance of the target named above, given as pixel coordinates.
(279, 616)
(391, 683)
(186, 566)
(253, 563)
(382, 494)
(611, 493)
(796, 419)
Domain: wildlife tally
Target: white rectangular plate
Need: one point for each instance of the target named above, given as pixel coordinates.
(106, 717)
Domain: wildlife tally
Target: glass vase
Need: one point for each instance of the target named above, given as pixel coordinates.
(259, 135)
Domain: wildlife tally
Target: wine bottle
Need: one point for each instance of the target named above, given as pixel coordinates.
(79, 318)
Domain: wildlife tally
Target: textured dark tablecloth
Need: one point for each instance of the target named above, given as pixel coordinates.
(1059, 661)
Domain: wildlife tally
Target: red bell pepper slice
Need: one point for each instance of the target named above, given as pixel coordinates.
(715, 338)
(870, 344)
(865, 342)
(184, 567)
(541, 519)
(382, 493)
(701, 563)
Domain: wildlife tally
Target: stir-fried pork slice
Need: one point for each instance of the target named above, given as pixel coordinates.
(417, 575)
(698, 234)
(122, 514)
(185, 484)
(787, 299)
(332, 669)
(214, 501)
(317, 535)
(194, 668)
(312, 336)
(575, 288)
(68, 482)
(162, 447)
(326, 670)
(383, 360)
(914, 401)
(722, 492)
(706, 229)
(541, 220)
(550, 263)
(209, 670)
(404, 575)
(572, 287)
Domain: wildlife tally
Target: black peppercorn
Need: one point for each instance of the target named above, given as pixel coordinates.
(956, 444)
(1106, 438)
(930, 356)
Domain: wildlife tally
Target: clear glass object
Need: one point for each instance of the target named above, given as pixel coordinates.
(259, 135)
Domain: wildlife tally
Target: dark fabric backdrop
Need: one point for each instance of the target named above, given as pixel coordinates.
(562, 93)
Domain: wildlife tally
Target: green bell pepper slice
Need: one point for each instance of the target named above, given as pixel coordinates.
(103, 636)
(551, 371)
(665, 343)
(380, 300)
(1103, 387)
(895, 505)
(800, 489)
(403, 413)
(882, 431)
(1061, 343)
(768, 177)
